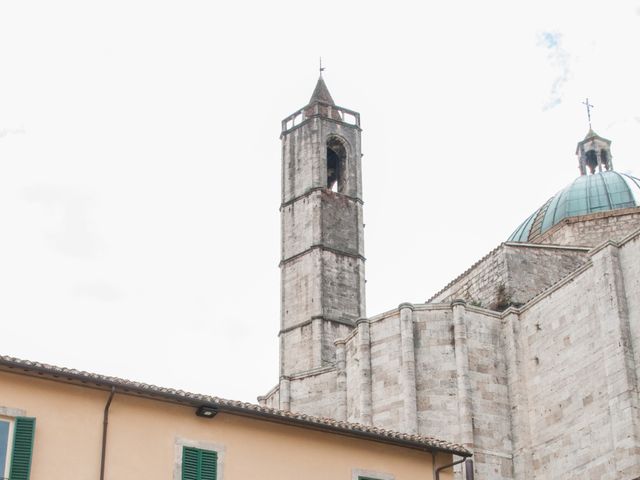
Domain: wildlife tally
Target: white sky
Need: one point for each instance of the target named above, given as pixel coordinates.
(140, 160)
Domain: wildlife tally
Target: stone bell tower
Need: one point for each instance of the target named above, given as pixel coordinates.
(322, 251)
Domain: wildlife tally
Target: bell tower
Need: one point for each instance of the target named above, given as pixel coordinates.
(594, 154)
(322, 251)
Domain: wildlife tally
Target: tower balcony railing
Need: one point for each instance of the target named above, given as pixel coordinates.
(320, 108)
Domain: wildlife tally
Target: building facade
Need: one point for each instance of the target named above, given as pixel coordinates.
(530, 358)
(65, 424)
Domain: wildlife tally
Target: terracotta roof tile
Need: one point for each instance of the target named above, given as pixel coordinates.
(233, 406)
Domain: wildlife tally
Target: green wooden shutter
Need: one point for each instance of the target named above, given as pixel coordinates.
(22, 448)
(208, 465)
(199, 464)
(189, 464)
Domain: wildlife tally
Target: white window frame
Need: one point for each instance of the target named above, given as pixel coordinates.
(9, 415)
(180, 443)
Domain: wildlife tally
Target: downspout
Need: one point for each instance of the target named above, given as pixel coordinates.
(105, 424)
(468, 468)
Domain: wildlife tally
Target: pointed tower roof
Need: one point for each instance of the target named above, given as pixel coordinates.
(321, 93)
(591, 135)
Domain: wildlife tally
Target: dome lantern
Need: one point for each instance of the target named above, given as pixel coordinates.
(597, 189)
(594, 153)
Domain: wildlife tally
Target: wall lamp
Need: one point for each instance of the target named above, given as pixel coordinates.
(207, 412)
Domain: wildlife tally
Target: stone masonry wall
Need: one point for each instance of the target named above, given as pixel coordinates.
(385, 367)
(314, 394)
(592, 230)
(511, 275)
(436, 373)
(532, 270)
(489, 396)
(566, 386)
(342, 297)
(437, 381)
(630, 262)
(301, 289)
(477, 286)
(340, 218)
(332, 331)
(299, 225)
(298, 342)
(578, 386)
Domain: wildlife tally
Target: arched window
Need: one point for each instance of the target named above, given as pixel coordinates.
(336, 164)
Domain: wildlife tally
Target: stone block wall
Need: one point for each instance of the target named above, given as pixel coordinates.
(301, 289)
(437, 380)
(301, 151)
(566, 384)
(489, 395)
(436, 373)
(591, 230)
(342, 284)
(630, 263)
(271, 399)
(341, 217)
(581, 387)
(314, 394)
(511, 275)
(332, 331)
(530, 270)
(386, 364)
(478, 285)
(299, 225)
(298, 355)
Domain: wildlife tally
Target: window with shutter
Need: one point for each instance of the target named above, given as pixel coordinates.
(199, 464)
(16, 446)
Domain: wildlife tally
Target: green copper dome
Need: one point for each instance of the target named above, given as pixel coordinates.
(600, 192)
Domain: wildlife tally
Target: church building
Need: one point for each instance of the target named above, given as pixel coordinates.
(530, 359)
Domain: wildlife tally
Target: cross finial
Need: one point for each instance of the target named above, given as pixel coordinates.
(589, 107)
(321, 67)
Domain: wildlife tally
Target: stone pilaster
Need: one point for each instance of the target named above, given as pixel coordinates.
(341, 381)
(465, 407)
(515, 355)
(364, 354)
(285, 393)
(408, 372)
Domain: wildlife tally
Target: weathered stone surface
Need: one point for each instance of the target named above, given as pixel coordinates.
(322, 266)
(592, 230)
(531, 358)
(512, 274)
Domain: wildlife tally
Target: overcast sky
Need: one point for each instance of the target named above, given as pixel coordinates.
(140, 160)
